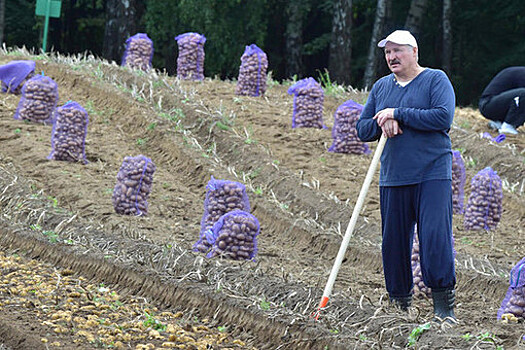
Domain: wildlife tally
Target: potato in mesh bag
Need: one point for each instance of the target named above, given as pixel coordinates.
(139, 52)
(68, 138)
(14, 75)
(252, 72)
(38, 101)
(234, 236)
(307, 104)
(134, 183)
(222, 196)
(190, 61)
(458, 183)
(514, 301)
(344, 133)
(484, 206)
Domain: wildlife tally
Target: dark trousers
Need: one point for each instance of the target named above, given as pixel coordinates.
(429, 205)
(504, 107)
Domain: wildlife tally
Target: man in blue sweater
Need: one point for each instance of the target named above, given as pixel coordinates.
(414, 107)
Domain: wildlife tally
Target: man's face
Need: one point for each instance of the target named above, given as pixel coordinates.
(400, 58)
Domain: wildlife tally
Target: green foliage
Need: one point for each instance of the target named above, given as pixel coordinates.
(416, 333)
(153, 323)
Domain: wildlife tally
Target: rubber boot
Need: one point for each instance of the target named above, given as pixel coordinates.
(402, 302)
(444, 305)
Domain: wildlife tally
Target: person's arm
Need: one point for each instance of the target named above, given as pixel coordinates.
(441, 112)
(367, 128)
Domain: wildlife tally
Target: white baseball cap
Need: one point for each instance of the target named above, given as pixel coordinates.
(400, 37)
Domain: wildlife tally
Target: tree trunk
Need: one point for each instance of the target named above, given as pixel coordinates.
(2, 21)
(371, 62)
(341, 43)
(120, 25)
(296, 11)
(415, 15)
(446, 61)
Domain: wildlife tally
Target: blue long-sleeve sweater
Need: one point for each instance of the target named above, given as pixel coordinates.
(424, 109)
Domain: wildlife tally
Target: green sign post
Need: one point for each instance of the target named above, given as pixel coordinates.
(47, 8)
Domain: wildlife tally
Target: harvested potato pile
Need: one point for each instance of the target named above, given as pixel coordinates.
(139, 52)
(68, 139)
(458, 182)
(307, 104)
(222, 196)
(252, 73)
(190, 62)
(134, 183)
(484, 205)
(344, 133)
(235, 236)
(38, 101)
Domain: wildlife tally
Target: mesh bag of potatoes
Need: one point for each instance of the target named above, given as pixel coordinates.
(134, 183)
(139, 52)
(14, 75)
(234, 236)
(421, 290)
(458, 183)
(190, 61)
(484, 204)
(513, 305)
(252, 72)
(307, 104)
(38, 101)
(222, 196)
(344, 133)
(68, 138)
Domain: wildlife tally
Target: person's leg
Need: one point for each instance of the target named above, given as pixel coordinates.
(436, 245)
(398, 220)
(508, 107)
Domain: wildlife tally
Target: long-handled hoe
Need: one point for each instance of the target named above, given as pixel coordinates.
(351, 226)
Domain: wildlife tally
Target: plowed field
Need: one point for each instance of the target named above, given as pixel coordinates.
(58, 227)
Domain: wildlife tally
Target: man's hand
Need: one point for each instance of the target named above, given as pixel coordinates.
(391, 128)
(382, 116)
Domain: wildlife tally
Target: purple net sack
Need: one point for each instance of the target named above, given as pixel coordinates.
(14, 74)
(222, 196)
(420, 288)
(134, 183)
(234, 236)
(307, 104)
(190, 62)
(458, 183)
(68, 138)
(484, 205)
(252, 72)
(514, 301)
(139, 52)
(38, 101)
(344, 133)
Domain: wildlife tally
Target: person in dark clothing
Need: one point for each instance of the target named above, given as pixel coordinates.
(414, 107)
(503, 100)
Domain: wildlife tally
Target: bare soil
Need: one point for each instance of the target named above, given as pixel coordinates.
(60, 214)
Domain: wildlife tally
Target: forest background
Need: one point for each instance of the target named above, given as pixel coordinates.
(469, 39)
